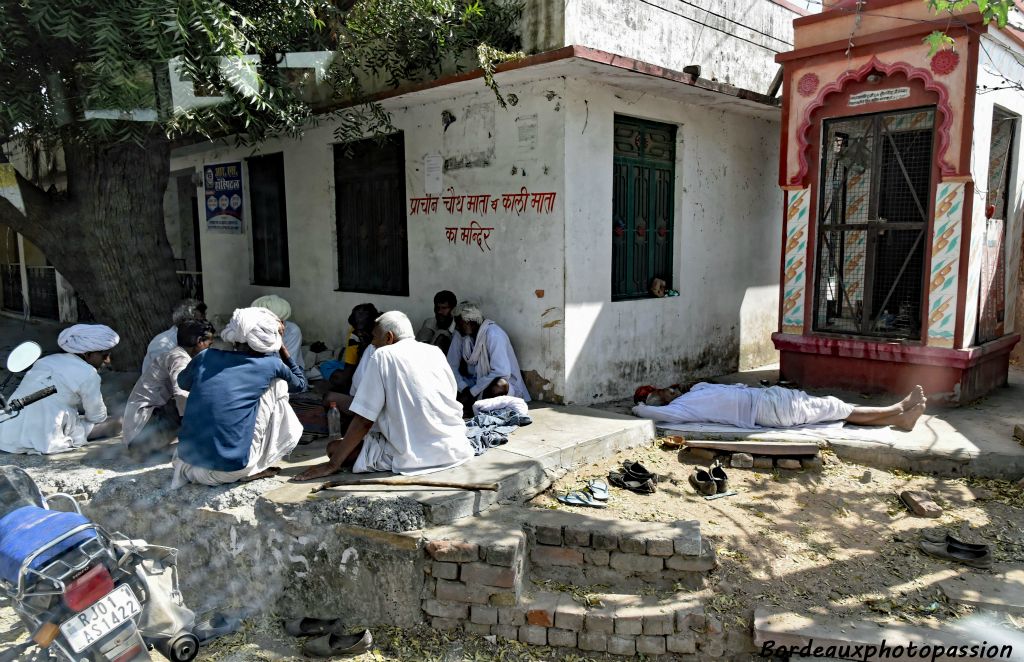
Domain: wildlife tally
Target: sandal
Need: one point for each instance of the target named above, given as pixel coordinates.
(598, 489)
(308, 627)
(973, 558)
(580, 499)
(331, 645)
(626, 482)
(214, 626)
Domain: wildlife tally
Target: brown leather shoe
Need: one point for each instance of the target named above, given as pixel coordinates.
(702, 482)
(969, 557)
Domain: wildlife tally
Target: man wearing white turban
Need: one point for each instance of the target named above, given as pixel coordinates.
(237, 422)
(76, 413)
(482, 359)
(292, 332)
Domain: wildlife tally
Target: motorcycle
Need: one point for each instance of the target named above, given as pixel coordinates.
(82, 593)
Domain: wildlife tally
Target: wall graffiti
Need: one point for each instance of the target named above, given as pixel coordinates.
(541, 203)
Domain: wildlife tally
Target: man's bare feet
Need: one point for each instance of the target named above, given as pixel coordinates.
(266, 473)
(914, 398)
(908, 419)
(316, 471)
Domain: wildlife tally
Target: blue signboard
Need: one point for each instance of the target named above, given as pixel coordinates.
(222, 185)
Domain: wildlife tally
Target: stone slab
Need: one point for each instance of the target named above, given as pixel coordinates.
(787, 448)
(785, 628)
(1002, 591)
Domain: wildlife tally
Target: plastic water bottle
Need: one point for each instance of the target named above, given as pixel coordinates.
(333, 421)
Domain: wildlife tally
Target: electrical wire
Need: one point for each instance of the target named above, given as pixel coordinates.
(725, 32)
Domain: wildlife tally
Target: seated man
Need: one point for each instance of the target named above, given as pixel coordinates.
(237, 423)
(407, 418)
(482, 359)
(157, 403)
(775, 407)
(340, 374)
(438, 330)
(188, 309)
(54, 424)
(292, 332)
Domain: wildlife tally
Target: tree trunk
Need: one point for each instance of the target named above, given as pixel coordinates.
(106, 236)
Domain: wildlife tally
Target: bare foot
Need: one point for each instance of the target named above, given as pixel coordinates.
(908, 419)
(316, 471)
(913, 399)
(266, 473)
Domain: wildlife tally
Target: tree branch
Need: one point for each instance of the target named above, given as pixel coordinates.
(41, 208)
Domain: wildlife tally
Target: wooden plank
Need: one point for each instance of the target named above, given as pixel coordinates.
(759, 447)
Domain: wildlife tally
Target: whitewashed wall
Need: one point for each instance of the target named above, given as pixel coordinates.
(727, 233)
(999, 59)
(518, 282)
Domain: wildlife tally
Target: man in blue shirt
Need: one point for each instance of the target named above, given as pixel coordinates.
(237, 422)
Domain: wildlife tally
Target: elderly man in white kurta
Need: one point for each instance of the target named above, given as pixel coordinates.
(482, 359)
(70, 417)
(165, 341)
(407, 418)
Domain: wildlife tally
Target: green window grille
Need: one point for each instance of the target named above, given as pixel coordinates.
(643, 202)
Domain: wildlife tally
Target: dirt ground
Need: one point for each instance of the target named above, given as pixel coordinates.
(837, 541)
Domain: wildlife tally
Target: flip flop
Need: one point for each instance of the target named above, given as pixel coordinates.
(307, 627)
(598, 489)
(333, 645)
(214, 626)
(579, 499)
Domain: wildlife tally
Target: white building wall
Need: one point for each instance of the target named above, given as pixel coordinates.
(999, 60)
(488, 150)
(727, 233)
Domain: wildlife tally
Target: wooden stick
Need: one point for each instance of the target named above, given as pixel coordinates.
(487, 487)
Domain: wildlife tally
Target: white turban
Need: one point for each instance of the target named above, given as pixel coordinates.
(469, 312)
(82, 338)
(274, 304)
(256, 327)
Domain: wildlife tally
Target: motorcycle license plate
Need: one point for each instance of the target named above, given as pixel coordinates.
(89, 626)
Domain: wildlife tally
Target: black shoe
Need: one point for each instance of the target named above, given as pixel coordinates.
(719, 476)
(636, 471)
(702, 482)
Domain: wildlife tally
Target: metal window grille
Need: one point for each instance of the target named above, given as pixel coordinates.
(873, 218)
(269, 220)
(373, 244)
(643, 203)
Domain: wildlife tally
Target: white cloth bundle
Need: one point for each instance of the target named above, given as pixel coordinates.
(256, 327)
(475, 352)
(274, 304)
(82, 338)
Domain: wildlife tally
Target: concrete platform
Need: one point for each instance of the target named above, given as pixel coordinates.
(975, 439)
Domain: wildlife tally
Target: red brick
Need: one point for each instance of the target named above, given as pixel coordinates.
(458, 592)
(540, 610)
(489, 575)
(450, 550)
(556, 556)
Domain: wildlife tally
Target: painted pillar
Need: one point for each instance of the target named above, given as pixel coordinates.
(794, 278)
(944, 273)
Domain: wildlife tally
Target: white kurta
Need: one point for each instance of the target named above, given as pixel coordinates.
(409, 392)
(745, 407)
(154, 389)
(54, 424)
(293, 341)
(276, 433)
(161, 343)
(503, 363)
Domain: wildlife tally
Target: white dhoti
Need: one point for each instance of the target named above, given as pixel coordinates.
(276, 434)
(376, 454)
(786, 408)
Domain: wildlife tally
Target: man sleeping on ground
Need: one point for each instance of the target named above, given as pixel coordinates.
(774, 407)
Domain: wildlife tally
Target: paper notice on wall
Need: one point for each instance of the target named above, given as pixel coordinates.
(433, 171)
(9, 186)
(222, 194)
(879, 96)
(526, 126)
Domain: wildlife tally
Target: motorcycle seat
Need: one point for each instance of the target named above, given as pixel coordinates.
(28, 528)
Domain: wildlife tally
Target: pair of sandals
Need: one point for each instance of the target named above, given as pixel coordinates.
(593, 495)
(953, 549)
(330, 640)
(710, 481)
(634, 477)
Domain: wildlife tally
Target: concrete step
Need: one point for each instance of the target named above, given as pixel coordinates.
(1002, 591)
(833, 636)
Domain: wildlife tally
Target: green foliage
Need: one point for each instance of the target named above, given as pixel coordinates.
(992, 11)
(60, 58)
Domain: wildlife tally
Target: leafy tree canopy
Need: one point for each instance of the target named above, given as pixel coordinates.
(992, 11)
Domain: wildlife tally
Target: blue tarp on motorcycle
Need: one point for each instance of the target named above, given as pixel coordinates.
(26, 529)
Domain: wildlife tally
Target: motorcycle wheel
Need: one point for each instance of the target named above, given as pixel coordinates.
(182, 648)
